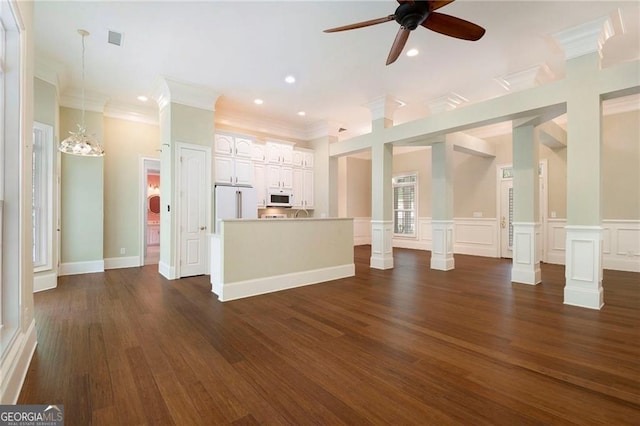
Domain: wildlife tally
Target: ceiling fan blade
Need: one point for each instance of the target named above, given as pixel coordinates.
(452, 26)
(438, 4)
(398, 45)
(361, 24)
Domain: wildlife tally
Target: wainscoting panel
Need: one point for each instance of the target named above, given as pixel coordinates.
(620, 244)
(476, 236)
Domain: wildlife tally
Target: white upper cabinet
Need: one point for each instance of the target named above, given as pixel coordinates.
(279, 153)
(232, 162)
(303, 158)
(244, 147)
(258, 152)
(233, 145)
(224, 144)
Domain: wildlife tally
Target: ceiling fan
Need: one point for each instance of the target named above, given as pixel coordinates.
(410, 14)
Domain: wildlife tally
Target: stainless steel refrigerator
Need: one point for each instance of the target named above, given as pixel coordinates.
(234, 202)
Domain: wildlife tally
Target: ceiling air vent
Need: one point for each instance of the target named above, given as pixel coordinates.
(115, 38)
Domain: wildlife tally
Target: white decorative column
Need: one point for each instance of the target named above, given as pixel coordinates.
(583, 266)
(442, 205)
(583, 269)
(525, 268)
(381, 186)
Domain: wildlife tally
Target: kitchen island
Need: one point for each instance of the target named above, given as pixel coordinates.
(257, 256)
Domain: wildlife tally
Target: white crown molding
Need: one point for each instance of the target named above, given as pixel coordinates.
(448, 102)
(140, 114)
(525, 79)
(50, 71)
(621, 105)
(93, 101)
(246, 121)
(585, 38)
(383, 107)
(323, 128)
(193, 95)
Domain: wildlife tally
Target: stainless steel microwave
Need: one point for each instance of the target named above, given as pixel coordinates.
(279, 198)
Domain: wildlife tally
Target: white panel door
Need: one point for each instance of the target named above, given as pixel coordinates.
(194, 178)
(260, 184)
(286, 177)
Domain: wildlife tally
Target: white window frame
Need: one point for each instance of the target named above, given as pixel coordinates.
(415, 203)
(42, 197)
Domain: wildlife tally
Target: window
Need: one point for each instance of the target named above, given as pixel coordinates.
(405, 190)
(42, 212)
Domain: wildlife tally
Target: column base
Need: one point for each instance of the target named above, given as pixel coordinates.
(583, 267)
(381, 244)
(525, 268)
(442, 246)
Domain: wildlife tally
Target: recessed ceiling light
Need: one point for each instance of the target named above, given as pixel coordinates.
(412, 52)
(143, 98)
(290, 79)
(258, 101)
(302, 113)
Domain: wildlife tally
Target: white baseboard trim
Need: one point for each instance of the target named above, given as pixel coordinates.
(15, 365)
(248, 288)
(167, 271)
(122, 262)
(411, 244)
(75, 268)
(44, 281)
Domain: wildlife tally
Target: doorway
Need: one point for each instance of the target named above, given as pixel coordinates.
(150, 207)
(505, 209)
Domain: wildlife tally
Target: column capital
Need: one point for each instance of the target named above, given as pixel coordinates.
(383, 107)
(193, 95)
(588, 37)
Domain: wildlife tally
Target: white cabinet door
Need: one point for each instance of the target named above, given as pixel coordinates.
(286, 176)
(243, 172)
(243, 147)
(258, 152)
(224, 170)
(308, 160)
(298, 158)
(298, 188)
(287, 154)
(259, 183)
(308, 188)
(273, 177)
(224, 144)
(274, 154)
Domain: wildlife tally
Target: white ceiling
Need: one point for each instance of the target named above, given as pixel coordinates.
(243, 50)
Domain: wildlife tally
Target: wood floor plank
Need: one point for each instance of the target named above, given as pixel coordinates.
(404, 346)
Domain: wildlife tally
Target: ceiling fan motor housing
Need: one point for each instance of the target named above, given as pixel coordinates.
(410, 15)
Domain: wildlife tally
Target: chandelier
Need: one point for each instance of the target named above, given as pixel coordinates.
(80, 143)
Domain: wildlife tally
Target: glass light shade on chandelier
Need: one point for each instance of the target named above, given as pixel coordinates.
(80, 143)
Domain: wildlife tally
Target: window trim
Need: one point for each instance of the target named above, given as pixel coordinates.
(413, 235)
(44, 177)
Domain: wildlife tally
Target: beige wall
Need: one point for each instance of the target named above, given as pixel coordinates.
(125, 143)
(475, 177)
(45, 106)
(358, 187)
(621, 166)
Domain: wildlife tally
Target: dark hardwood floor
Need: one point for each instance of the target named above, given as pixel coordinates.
(403, 346)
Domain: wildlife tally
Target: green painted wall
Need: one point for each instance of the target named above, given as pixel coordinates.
(82, 196)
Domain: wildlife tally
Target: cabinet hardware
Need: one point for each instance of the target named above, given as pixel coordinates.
(202, 228)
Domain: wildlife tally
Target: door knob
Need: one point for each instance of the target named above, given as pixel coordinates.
(202, 228)
(503, 222)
